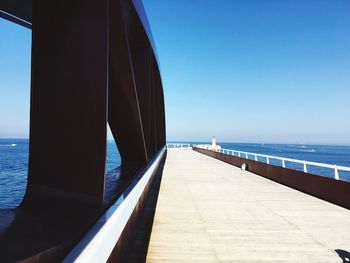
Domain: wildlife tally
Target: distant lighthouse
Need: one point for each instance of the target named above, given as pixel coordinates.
(213, 144)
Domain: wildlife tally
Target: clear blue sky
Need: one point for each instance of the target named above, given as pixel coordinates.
(15, 47)
(245, 71)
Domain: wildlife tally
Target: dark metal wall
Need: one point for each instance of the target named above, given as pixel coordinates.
(17, 11)
(68, 115)
(328, 189)
(93, 63)
(133, 243)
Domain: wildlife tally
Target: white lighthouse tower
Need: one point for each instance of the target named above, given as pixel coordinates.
(213, 143)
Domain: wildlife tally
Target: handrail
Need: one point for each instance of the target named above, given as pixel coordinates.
(246, 155)
(183, 146)
(99, 242)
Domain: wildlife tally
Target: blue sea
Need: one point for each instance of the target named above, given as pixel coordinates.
(14, 162)
(14, 167)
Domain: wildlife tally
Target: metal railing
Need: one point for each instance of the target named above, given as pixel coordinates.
(268, 158)
(182, 146)
(99, 242)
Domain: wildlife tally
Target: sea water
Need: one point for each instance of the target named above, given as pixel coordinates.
(14, 162)
(14, 155)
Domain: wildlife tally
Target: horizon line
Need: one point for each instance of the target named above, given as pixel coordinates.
(218, 142)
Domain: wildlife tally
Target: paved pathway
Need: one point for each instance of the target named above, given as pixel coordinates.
(210, 211)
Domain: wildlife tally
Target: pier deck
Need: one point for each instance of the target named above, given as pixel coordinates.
(210, 211)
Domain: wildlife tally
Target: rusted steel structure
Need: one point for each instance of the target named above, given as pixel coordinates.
(325, 188)
(93, 62)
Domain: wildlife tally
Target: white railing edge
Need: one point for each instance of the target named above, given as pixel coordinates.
(181, 146)
(98, 243)
(284, 159)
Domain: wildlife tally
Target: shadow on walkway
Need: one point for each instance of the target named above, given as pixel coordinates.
(344, 255)
(138, 251)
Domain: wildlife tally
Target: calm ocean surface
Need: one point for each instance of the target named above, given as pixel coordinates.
(14, 162)
(14, 168)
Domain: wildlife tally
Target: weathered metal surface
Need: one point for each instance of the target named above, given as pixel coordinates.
(328, 189)
(93, 62)
(101, 239)
(124, 112)
(126, 249)
(68, 116)
(17, 11)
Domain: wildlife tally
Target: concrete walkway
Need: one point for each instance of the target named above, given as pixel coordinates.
(210, 211)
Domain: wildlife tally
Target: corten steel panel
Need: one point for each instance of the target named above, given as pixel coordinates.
(92, 61)
(133, 65)
(135, 31)
(154, 131)
(141, 58)
(328, 189)
(142, 17)
(124, 250)
(161, 111)
(123, 108)
(17, 11)
(68, 99)
(68, 119)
